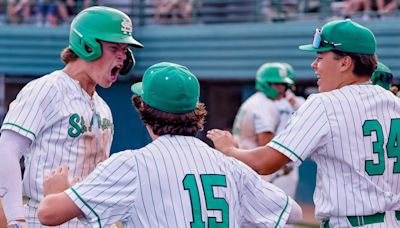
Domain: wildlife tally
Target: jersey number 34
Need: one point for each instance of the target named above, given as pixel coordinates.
(392, 146)
(208, 181)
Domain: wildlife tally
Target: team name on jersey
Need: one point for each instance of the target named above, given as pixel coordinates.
(78, 125)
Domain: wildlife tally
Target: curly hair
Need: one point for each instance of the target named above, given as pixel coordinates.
(67, 55)
(164, 123)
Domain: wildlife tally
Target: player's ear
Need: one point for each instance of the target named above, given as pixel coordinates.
(346, 63)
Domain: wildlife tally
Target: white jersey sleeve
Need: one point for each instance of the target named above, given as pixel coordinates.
(32, 108)
(108, 193)
(308, 124)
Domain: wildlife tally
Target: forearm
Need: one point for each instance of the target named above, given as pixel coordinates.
(11, 190)
(264, 160)
(56, 209)
(264, 138)
(11, 146)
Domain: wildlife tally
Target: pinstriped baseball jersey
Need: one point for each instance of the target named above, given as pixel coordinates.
(66, 126)
(178, 181)
(256, 115)
(352, 134)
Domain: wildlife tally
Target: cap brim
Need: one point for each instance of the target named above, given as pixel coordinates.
(135, 43)
(137, 88)
(132, 42)
(124, 40)
(285, 80)
(289, 81)
(309, 47)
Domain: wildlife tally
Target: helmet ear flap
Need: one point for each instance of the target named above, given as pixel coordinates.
(129, 62)
(267, 90)
(86, 47)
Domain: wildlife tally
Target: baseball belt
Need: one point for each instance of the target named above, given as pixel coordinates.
(356, 221)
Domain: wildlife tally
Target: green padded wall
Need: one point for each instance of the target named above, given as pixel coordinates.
(211, 51)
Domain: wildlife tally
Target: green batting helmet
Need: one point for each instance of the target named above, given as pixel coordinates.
(269, 73)
(99, 23)
(382, 76)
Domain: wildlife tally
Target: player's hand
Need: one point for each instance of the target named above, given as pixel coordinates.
(291, 97)
(223, 140)
(57, 181)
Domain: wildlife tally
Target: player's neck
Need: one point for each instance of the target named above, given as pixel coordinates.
(82, 77)
(354, 80)
(151, 133)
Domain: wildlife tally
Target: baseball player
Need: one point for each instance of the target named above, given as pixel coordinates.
(59, 118)
(350, 129)
(175, 181)
(258, 117)
(263, 114)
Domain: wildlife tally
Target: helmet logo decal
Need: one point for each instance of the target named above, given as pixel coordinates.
(126, 27)
(282, 73)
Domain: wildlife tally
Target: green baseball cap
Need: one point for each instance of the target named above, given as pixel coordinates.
(343, 35)
(169, 87)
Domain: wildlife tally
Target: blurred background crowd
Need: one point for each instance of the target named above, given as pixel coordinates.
(52, 13)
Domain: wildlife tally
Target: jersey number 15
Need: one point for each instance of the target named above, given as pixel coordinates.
(208, 181)
(392, 146)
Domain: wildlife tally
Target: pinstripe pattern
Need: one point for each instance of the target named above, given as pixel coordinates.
(329, 129)
(42, 112)
(144, 188)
